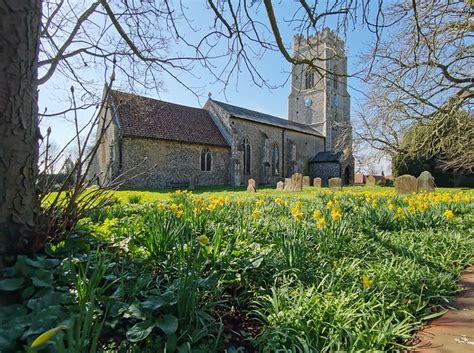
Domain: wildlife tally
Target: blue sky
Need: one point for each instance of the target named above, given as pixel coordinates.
(241, 90)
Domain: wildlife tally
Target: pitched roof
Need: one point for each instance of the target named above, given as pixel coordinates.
(151, 118)
(327, 157)
(267, 119)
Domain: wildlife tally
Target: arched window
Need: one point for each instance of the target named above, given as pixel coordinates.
(206, 160)
(275, 160)
(247, 157)
(308, 79)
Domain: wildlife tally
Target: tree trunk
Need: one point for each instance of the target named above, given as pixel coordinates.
(19, 204)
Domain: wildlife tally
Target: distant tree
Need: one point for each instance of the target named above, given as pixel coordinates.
(418, 74)
(445, 144)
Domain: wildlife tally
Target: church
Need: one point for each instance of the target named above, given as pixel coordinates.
(156, 144)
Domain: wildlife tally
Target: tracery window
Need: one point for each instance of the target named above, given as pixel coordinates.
(308, 79)
(275, 160)
(206, 160)
(247, 157)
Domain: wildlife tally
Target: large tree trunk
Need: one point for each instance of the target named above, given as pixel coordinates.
(19, 205)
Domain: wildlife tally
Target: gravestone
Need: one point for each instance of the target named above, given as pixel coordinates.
(287, 186)
(406, 184)
(335, 184)
(297, 182)
(251, 186)
(370, 181)
(280, 185)
(306, 180)
(192, 183)
(317, 182)
(426, 182)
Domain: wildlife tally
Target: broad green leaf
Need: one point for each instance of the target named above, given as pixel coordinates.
(11, 284)
(140, 331)
(168, 324)
(157, 302)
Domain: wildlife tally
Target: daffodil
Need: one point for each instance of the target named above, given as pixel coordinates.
(321, 223)
(449, 215)
(203, 240)
(47, 336)
(256, 214)
(335, 214)
(317, 214)
(366, 282)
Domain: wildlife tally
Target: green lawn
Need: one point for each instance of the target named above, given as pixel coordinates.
(240, 192)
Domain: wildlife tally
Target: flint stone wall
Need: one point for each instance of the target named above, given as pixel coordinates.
(176, 163)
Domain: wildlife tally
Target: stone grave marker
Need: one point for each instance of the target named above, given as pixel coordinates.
(317, 182)
(406, 184)
(251, 186)
(297, 182)
(335, 184)
(280, 185)
(287, 186)
(426, 182)
(306, 180)
(370, 181)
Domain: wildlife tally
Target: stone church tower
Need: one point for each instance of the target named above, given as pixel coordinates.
(319, 98)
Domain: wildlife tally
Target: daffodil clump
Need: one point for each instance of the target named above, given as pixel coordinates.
(333, 271)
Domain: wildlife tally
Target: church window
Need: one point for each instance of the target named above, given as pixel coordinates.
(275, 160)
(247, 157)
(206, 160)
(308, 79)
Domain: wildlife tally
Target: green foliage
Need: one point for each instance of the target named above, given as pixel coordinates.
(198, 274)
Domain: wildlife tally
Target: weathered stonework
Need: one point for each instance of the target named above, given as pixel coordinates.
(406, 184)
(335, 184)
(426, 182)
(306, 181)
(172, 164)
(370, 181)
(251, 187)
(317, 182)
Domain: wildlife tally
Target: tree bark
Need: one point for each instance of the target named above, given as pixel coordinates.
(19, 132)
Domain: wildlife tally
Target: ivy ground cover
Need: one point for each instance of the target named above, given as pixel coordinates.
(343, 271)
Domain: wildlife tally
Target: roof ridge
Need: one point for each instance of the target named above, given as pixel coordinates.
(156, 100)
(295, 124)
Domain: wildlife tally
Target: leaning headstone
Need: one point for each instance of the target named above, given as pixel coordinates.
(297, 182)
(317, 182)
(370, 181)
(406, 184)
(335, 184)
(251, 186)
(280, 185)
(426, 182)
(306, 180)
(288, 184)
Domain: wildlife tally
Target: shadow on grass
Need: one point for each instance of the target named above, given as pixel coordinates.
(404, 252)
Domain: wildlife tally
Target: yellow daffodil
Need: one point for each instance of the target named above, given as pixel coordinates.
(47, 336)
(321, 223)
(448, 214)
(317, 214)
(366, 282)
(256, 214)
(335, 214)
(203, 240)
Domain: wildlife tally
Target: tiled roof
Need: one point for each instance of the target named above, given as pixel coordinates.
(151, 118)
(267, 119)
(327, 157)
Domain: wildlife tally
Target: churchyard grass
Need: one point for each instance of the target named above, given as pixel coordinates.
(225, 270)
